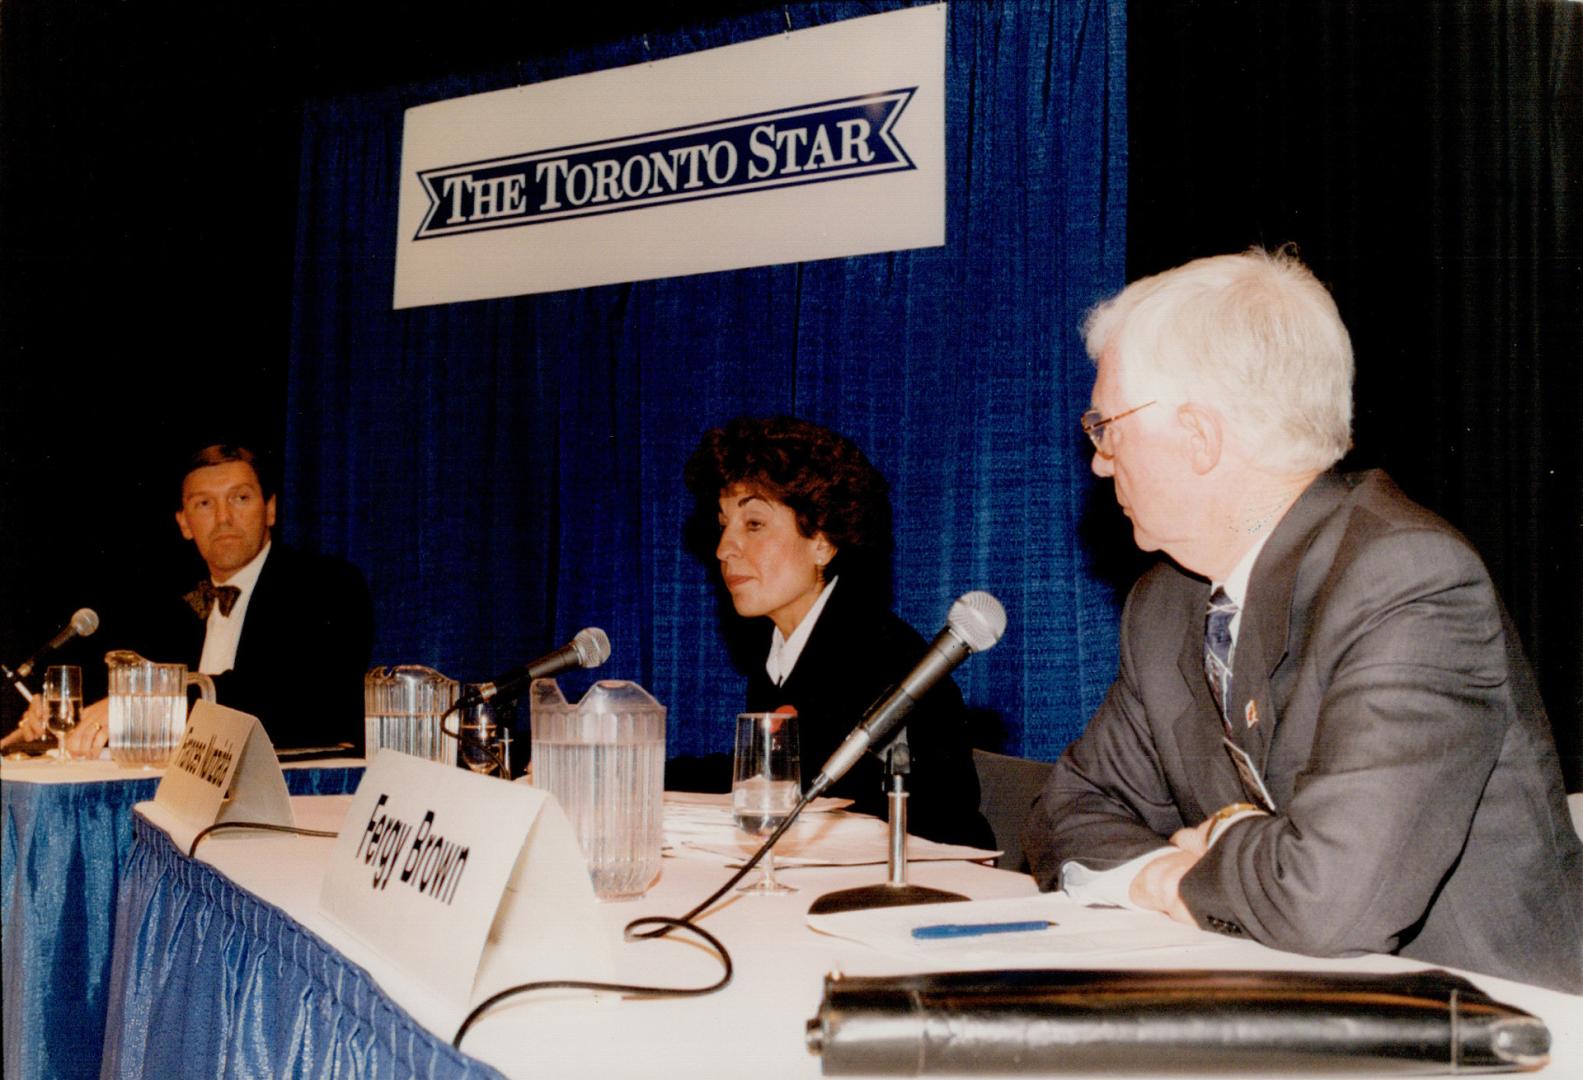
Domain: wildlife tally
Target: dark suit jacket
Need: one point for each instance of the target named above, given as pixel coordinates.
(302, 655)
(1400, 732)
(858, 650)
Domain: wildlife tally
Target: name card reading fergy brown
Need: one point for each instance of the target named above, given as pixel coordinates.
(428, 862)
(420, 870)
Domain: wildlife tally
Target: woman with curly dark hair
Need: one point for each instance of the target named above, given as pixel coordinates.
(803, 542)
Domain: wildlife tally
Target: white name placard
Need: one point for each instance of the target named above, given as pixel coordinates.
(811, 144)
(433, 862)
(224, 770)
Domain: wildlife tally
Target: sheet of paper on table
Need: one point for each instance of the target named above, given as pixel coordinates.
(701, 826)
(1078, 931)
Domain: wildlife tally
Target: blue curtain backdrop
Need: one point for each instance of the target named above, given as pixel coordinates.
(508, 471)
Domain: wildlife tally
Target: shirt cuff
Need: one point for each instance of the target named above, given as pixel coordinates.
(1107, 886)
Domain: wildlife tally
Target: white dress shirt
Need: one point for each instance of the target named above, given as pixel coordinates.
(784, 651)
(223, 632)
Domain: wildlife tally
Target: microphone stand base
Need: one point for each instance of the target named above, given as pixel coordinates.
(878, 896)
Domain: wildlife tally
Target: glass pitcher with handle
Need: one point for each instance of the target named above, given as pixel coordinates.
(148, 706)
(604, 761)
(402, 707)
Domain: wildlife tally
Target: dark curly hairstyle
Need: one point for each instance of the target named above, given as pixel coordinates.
(822, 476)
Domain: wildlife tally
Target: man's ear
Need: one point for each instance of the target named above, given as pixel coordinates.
(181, 523)
(1205, 432)
(269, 513)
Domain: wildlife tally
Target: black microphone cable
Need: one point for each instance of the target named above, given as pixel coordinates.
(658, 926)
(220, 826)
(663, 925)
(634, 990)
(667, 924)
(743, 870)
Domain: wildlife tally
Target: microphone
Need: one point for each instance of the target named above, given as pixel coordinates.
(589, 649)
(83, 623)
(974, 623)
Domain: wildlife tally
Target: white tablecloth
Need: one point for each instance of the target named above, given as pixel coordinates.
(755, 1027)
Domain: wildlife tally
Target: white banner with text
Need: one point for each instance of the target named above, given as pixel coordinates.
(812, 144)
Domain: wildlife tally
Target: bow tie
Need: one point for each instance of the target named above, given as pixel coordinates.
(207, 594)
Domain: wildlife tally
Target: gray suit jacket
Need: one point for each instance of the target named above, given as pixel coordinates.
(1419, 801)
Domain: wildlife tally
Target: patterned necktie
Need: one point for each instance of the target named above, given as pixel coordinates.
(1217, 649)
(207, 594)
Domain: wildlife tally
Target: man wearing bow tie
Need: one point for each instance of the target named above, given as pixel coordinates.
(284, 634)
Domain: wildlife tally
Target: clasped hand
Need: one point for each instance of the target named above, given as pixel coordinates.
(1156, 886)
(90, 735)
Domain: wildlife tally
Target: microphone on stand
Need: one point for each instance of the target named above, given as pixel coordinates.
(82, 624)
(975, 623)
(589, 649)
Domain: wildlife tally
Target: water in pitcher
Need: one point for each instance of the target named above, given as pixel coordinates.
(146, 728)
(613, 794)
(402, 707)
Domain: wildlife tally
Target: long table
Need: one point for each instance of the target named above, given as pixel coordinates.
(225, 964)
(65, 835)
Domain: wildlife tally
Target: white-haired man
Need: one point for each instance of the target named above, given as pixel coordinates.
(1323, 734)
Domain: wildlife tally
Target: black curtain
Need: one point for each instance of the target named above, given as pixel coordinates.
(1427, 159)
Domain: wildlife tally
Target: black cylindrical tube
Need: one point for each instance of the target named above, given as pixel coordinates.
(1009, 1022)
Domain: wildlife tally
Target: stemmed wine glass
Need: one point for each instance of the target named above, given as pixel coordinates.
(479, 738)
(766, 783)
(62, 703)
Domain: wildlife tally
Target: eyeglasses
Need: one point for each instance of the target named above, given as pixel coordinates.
(1095, 425)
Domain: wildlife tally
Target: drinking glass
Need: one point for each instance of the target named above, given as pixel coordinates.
(62, 703)
(479, 744)
(766, 783)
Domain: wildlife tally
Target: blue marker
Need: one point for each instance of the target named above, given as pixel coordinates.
(956, 930)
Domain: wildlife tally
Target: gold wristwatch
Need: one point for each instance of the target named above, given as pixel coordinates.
(1220, 818)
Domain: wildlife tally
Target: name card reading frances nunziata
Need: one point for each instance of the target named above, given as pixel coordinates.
(224, 770)
(426, 855)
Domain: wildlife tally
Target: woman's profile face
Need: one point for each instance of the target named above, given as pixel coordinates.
(769, 567)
